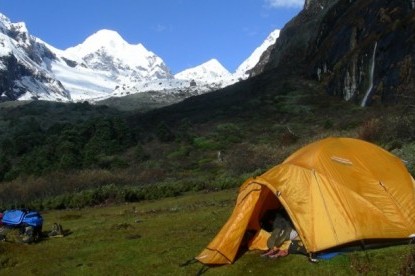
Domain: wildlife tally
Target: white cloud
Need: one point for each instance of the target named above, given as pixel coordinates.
(285, 3)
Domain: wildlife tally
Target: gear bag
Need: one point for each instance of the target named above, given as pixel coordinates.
(30, 222)
(22, 217)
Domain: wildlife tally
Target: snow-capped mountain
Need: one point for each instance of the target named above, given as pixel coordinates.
(204, 78)
(243, 70)
(103, 62)
(23, 72)
(103, 66)
(106, 50)
(77, 77)
(209, 70)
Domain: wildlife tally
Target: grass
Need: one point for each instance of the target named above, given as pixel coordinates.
(157, 237)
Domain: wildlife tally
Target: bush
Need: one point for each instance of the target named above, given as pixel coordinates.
(164, 133)
(370, 130)
(228, 133)
(408, 264)
(226, 182)
(140, 154)
(111, 162)
(287, 137)
(133, 195)
(407, 153)
(180, 152)
(205, 143)
(245, 158)
(396, 129)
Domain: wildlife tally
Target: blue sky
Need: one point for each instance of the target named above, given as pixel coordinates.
(184, 33)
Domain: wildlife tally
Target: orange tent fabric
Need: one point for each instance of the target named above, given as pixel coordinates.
(336, 191)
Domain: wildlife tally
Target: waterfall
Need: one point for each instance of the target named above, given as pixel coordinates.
(371, 72)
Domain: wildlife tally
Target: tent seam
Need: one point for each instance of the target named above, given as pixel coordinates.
(397, 205)
(325, 207)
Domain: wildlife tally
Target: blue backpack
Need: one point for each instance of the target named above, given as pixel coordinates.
(22, 218)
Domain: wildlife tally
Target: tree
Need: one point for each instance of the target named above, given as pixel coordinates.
(5, 166)
(164, 133)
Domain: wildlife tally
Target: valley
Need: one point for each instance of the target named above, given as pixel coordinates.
(130, 160)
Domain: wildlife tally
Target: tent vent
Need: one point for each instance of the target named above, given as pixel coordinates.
(341, 160)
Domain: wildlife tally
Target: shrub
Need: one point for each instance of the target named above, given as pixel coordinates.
(196, 183)
(390, 130)
(164, 133)
(184, 132)
(408, 264)
(133, 195)
(370, 130)
(403, 127)
(328, 124)
(161, 191)
(228, 133)
(205, 143)
(150, 175)
(246, 158)
(182, 151)
(407, 153)
(226, 182)
(111, 162)
(140, 154)
(287, 137)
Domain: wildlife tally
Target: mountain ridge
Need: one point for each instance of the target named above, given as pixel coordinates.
(97, 69)
(209, 69)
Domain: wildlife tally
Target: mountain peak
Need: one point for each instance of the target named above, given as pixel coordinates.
(106, 33)
(106, 50)
(103, 39)
(17, 31)
(207, 70)
(108, 38)
(215, 64)
(4, 21)
(252, 61)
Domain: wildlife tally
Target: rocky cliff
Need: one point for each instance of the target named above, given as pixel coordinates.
(362, 51)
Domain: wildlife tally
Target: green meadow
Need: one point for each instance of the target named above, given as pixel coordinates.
(162, 237)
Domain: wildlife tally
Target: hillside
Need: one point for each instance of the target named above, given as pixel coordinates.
(210, 141)
(175, 149)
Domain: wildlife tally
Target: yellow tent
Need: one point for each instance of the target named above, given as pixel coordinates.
(336, 191)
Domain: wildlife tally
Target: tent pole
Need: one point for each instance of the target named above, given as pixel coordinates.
(362, 242)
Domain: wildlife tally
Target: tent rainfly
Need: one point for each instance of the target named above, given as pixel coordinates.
(336, 191)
